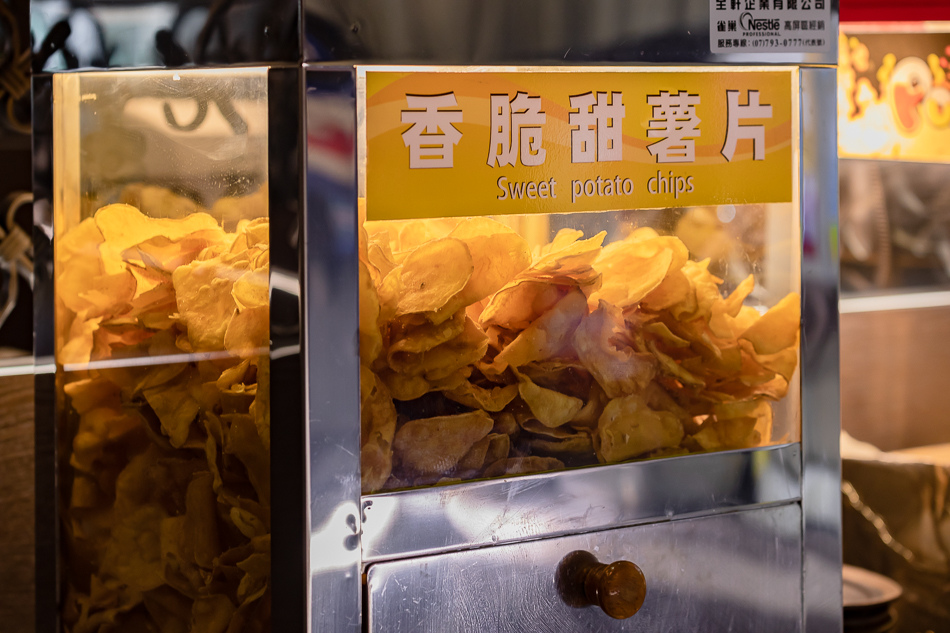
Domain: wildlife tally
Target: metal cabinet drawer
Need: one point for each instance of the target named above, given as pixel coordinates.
(738, 572)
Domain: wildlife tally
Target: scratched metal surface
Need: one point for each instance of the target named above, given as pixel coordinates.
(430, 520)
(738, 572)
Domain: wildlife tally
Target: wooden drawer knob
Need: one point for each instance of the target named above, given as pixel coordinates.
(618, 588)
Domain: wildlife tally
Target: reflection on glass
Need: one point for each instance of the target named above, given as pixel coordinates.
(503, 346)
(162, 337)
(895, 226)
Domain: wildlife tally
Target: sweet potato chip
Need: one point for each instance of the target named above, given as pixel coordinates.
(175, 407)
(618, 370)
(523, 466)
(732, 433)
(498, 254)
(371, 342)
(378, 427)
(549, 335)
(634, 267)
(629, 428)
(432, 274)
(248, 332)
(550, 407)
(251, 290)
(777, 329)
(205, 304)
(489, 399)
(519, 303)
(434, 446)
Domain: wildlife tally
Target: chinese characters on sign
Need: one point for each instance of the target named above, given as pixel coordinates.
(516, 130)
(757, 26)
(735, 131)
(675, 123)
(598, 119)
(481, 142)
(596, 134)
(432, 137)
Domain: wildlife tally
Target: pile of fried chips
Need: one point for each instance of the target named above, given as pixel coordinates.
(483, 357)
(162, 339)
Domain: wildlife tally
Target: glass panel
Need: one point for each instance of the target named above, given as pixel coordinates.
(162, 329)
(149, 33)
(894, 141)
(895, 233)
(510, 345)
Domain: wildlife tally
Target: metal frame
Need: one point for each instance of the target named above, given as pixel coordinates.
(477, 514)
(821, 397)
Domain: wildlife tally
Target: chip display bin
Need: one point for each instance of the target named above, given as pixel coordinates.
(509, 317)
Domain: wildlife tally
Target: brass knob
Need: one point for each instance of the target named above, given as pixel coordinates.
(618, 588)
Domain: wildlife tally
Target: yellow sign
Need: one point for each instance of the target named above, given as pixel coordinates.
(469, 142)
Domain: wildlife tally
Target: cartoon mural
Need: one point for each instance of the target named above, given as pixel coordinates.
(894, 95)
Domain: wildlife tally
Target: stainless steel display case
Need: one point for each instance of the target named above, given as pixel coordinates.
(747, 539)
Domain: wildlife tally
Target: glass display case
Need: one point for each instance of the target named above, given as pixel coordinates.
(512, 334)
(172, 316)
(345, 345)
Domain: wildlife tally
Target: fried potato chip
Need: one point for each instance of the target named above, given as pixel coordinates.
(523, 466)
(732, 433)
(133, 553)
(492, 399)
(244, 443)
(248, 332)
(409, 339)
(378, 428)
(448, 359)
(123, 226)
(251, 290)
(175, 407)
(673, 290)
(371, 342)
(577, 444)
(434, 446)
(90, 393)
(519, 303)
(212, 614)
(498, 254)
(549, 407)
(618, 370)
(432, 274)
(592, 409)
(777, 329)
(703, 293)
(97, 428)
(782, 363)
(205, 304)
(405, 387)
(201, 518)
(505, 423)
(569, 256)
(629, 428)
(672, 368)
(487, 450)
(549, 336)
(634, 267)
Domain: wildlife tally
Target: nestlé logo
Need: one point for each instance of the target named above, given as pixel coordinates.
(749, 23)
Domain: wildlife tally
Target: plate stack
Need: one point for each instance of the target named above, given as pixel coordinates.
(868, 601)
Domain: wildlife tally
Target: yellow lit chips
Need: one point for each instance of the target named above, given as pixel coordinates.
(168, 518)
(508, 360)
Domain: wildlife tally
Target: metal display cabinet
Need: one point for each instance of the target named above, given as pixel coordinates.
(747, 538)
